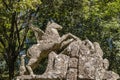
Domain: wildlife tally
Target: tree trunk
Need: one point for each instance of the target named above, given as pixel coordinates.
(11, 69)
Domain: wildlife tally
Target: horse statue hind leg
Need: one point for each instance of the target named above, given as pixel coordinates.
(30, 63)
(33, 58)
(33, 52)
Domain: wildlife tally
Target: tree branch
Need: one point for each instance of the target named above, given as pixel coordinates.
(12, 24)
(5, 33)
(1, 40)
(5, 4)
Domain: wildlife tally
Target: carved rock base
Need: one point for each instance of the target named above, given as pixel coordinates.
(83, 61)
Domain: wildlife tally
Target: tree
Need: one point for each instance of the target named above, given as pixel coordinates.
(14, 21)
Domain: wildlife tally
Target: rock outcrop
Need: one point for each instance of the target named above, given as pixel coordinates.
(79, 60)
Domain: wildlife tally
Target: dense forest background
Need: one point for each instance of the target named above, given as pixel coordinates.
(97, 20)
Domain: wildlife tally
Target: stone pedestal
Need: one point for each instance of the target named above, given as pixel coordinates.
(83, 61)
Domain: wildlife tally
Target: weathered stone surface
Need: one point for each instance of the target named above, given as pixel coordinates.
(98, 50)
(73, 63)
(73, 48)
(105, 63)
(22, 66)
(79, 60)
(90, 61)
(72, 74)
(57, 66)
(56, 69)
(37, 77)
(110, 75)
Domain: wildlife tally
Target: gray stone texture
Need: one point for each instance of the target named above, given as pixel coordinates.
(78, 60)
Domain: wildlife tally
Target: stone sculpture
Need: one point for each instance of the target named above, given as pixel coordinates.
(47, 41)
(79, 60)
(22, 66)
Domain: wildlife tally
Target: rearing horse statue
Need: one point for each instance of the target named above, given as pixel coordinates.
(47, 41)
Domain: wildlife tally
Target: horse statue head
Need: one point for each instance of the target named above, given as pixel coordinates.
(51, 31)
(52, 24)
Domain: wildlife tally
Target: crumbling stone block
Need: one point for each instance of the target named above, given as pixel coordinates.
(73, 63)
(72, 74)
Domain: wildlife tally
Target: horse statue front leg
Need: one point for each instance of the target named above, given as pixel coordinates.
(68, 36)
(66, 39)
(66, 43)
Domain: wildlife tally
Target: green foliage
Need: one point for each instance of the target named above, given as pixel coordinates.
(15, 17)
